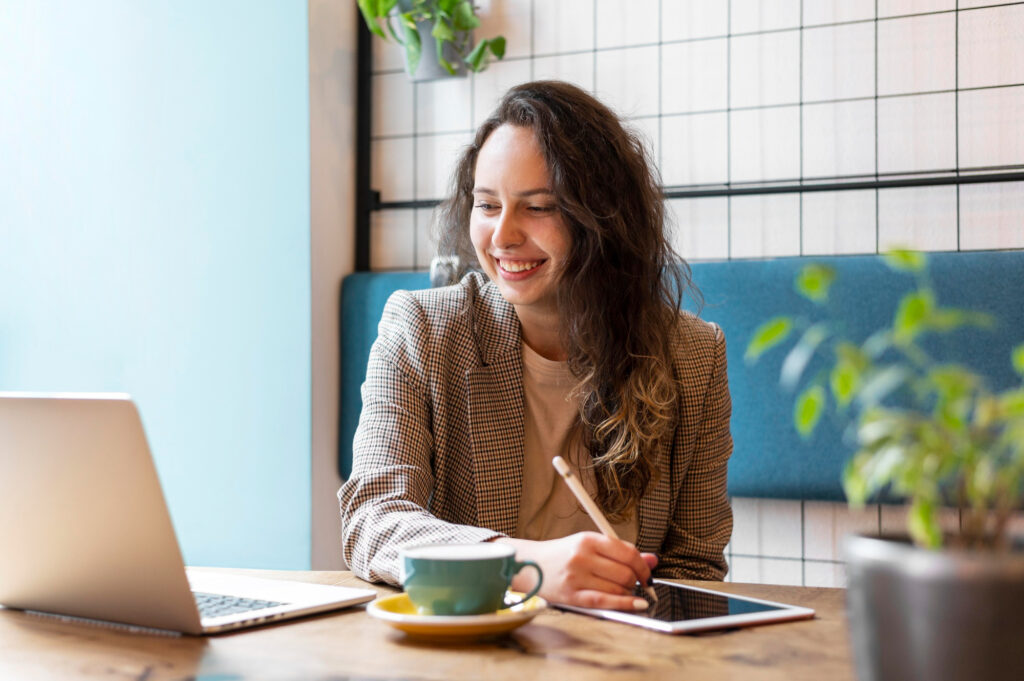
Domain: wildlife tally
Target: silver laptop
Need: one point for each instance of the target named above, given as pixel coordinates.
(85, 531)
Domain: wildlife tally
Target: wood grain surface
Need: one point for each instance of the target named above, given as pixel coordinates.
(350, 645)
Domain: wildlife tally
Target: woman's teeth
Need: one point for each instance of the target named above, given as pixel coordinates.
(518, 266)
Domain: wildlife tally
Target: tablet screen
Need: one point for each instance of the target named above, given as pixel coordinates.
(676, 603)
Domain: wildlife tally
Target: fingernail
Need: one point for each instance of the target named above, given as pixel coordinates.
(650, 581)
(640, 604)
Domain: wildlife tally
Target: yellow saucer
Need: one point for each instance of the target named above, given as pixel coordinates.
(399, 612)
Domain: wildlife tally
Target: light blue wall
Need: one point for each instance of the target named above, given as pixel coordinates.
(154, 238)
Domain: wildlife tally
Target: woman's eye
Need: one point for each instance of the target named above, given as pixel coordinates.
(541, 209)
(483, 205)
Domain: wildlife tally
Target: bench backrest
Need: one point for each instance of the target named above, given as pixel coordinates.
(769, 459)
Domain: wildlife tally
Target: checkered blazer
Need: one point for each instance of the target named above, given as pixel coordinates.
(438, 453)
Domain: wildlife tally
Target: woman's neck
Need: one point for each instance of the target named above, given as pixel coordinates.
(542, 332)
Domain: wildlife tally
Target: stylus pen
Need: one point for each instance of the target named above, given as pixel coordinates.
(591, 508)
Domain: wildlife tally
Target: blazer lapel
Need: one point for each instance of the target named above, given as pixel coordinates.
(496, 435)
(496, 412)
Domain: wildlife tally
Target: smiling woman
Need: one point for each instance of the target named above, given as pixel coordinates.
(568, 341)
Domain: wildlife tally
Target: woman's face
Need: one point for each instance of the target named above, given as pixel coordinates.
(516, 227)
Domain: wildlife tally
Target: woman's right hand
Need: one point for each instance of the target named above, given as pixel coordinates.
(585, 569)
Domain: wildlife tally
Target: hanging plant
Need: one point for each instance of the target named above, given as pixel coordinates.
(448, 22)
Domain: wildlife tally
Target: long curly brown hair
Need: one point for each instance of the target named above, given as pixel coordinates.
(621, 286)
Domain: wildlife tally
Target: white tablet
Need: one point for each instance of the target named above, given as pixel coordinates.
(683, 609)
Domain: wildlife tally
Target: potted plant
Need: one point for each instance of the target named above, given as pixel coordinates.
(447, 24)
(931, 605)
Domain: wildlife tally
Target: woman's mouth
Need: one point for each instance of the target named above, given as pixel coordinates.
(518, 266)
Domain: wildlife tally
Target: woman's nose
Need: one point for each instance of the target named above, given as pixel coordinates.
(506, 232)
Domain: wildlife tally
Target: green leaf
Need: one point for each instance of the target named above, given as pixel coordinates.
(368, 8)
(497, 45)
(408, 21)
(814, 281)
(855, 484)
(851, 354)
(796, 361)
(923, 523)
(1017, 357)
(912, 314)
(983, 480)
(953, 414)
(844, 380)
(954, 386)
(475, 58)
(952, 381)
(880, 384)
(885, 465)
(1011, 402)
(384, 7)
(439, 45)
(808, 409)
(768, 335)
(464, 18)
(413, 48)
(846, 376)
(448, 6)
(949, 319)
(394, 34)
(987, 411)
(905, 260)
(878, 426)
(876, 344)
(442, 32)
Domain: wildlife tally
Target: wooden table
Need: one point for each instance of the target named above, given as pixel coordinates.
(349, 645)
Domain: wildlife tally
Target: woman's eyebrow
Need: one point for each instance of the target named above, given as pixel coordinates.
(528, 192)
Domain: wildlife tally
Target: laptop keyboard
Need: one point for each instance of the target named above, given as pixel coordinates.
(218, 605)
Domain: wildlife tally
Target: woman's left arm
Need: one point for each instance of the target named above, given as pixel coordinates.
(702, 522)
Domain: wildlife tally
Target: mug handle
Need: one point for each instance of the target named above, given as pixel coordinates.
(516, 567)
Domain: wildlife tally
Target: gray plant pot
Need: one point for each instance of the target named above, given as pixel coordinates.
(934, 615)
(428, 68)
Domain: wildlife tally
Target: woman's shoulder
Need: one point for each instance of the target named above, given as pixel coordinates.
(697, 341)
(444, 304)
(692, 328)
(470, 311)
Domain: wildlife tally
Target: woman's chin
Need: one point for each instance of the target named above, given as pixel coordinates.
(531, 297)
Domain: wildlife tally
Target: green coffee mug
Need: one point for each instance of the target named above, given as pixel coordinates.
(461, 579)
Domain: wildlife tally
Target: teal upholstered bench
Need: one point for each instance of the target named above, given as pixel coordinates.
(769, 459)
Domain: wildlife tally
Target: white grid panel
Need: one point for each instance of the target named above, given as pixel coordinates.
(752, 91)
(778, 541)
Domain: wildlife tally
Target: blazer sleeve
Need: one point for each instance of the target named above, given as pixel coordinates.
(384, 503)
(701, 524)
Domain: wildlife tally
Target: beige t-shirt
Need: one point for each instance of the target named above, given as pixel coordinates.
(547, 509)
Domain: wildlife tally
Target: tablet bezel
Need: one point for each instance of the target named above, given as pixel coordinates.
(786, 613)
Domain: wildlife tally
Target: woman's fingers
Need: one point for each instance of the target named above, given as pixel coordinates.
(625, 554)
(584, 568)
(601, 600)
(594, 582)
(608, 565)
